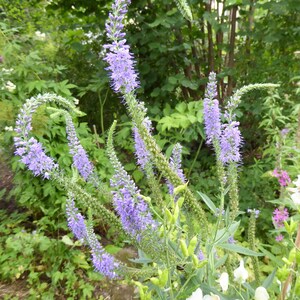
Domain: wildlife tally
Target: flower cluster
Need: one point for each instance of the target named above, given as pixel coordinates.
(283, 177)
(80, 158)
(212, 115)
(29, 149)
(175, 163)
(255, 211)
(130, 205)
(142, 154)
(279, 216)
(104, 263)
(120, 60)
(230, 143)
(75, 220)
(226, 135)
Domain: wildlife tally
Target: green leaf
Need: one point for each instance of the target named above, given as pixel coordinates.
(268, 281)
(130, 166)
(239, 249)
(224, 233)
(270, 255)
(66, 240)
(208, 202)
(137, 175)
(221, 261)
(172, 80)
(181, 107)
(112, 249)
(155, 92)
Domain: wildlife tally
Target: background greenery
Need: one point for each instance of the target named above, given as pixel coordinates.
(57, 46)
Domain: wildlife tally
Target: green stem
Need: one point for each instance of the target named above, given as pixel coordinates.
(102, 110)
(195, 158)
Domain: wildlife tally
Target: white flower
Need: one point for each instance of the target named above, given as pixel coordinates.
(224, 281)
(197, 295)
(8, 128)
(296, 198)
(40, 36)
(261, 294)
(297, 182)
(211, 297)
(240, 274)
(295, 192)
(10, 86)
(7, 71)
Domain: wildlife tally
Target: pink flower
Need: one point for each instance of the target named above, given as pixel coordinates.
(279, 238)
(283, 177)
(279, 216)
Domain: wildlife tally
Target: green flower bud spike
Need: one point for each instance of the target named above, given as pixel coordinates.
(251, 240)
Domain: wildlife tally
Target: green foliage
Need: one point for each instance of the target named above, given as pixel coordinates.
(51, 267)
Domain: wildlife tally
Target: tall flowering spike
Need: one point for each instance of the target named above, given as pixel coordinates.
(230, 143)
(120, 60)
(142, 154)
(103, 262)
(211, 110)
(175, 163)
(75, 219)
(131, 207)
(80, 158)
(29, 149)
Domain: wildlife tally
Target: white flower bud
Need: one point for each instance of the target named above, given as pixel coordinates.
(197, 295)
(240, 274)
(224, 281)
(261, 294)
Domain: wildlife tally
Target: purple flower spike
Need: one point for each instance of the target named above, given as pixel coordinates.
(120, 60)
(133, 211)
(75, 220)
(211, 110)
(103, 262)
(142, 154)
(80, 158)
(29, 149)
(130, 205)
(175, 163)
(230, 143)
